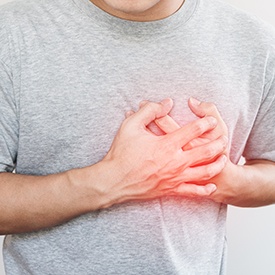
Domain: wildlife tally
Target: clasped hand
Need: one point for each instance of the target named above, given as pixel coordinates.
(227, 181)
(147, 166)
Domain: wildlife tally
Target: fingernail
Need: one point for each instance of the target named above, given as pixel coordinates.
(194, 101)
(213, 121)
(211, 187)
(166, 101)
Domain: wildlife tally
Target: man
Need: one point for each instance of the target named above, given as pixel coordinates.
(96, 194)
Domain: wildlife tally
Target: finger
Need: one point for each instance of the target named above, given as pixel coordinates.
(198, 174)
(167, 124)
(205, 153)
(182, 189)
(151, 111)
(195, 143)
(129, 113)
(194, 105)
(191, 131)
(205, 172)
(202, 109)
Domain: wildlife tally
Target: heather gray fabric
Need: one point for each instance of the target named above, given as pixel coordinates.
(68, 73)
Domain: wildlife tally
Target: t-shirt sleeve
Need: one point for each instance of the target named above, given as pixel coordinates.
(261, 141)
(8, 110)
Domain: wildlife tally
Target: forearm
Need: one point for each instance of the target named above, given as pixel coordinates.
(260, 176)
(139, 166)
(249, 185)
(30, 203)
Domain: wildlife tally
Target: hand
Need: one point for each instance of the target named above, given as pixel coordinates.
(237, 184)
(200, 109)
(228, 181)
(147, 166)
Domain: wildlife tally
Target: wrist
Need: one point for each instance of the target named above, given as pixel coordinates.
(92, 185)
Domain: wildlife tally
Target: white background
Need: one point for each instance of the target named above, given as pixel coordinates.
(250, 232)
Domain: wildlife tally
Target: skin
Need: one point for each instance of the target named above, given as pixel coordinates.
(139, 166)
(139, 10)
(249, 185)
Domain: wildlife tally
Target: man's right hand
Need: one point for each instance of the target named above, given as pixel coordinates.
(145, 166)
(139, 166)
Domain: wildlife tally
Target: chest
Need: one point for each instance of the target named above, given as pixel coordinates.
(74, 94)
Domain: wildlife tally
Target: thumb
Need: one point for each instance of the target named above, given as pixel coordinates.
(151, 111)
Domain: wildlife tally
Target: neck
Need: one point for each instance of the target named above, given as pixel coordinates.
(161, 10)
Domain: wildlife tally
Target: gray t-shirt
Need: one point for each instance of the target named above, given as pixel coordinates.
(68, 73)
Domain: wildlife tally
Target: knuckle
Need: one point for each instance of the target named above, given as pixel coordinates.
(210, 152)
(209, 172)
(199, 127)
(220, 144)
(212, 170)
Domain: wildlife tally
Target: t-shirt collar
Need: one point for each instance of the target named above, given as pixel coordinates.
(107, 21)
